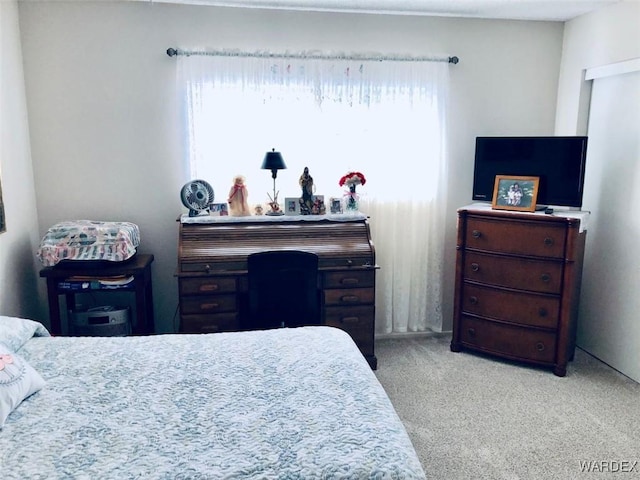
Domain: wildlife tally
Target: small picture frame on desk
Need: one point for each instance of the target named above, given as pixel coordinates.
(336, 205)
(219, 210)
(515, 193)
(291, 206)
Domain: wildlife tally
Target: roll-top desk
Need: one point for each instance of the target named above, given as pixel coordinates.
(212, 269)
(518, 283)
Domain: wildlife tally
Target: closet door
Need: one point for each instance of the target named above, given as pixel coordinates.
(608, 324)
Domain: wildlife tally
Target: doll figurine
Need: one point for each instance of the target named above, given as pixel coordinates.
(238, 205)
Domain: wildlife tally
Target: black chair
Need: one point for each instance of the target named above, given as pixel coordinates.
(283, 289)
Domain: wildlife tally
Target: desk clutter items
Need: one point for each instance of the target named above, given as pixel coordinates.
(197, 196)
(91, 241)
(238, 195)
(351, 198)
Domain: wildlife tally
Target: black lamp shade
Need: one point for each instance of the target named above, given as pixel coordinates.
(273, 161)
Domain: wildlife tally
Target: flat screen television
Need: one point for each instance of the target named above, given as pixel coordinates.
(558, 161)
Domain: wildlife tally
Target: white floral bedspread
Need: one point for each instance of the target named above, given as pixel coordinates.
(89, 240)
(296, 403)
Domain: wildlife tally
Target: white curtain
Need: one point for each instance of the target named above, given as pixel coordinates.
(385, 119)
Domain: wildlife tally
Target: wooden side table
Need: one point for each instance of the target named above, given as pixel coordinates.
(139, 268)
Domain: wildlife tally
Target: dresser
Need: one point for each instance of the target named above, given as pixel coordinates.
(518, 284)
(213, 278)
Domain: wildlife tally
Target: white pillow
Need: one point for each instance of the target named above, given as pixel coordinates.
(18, 380)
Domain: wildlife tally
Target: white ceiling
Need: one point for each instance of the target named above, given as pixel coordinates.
(549, 10)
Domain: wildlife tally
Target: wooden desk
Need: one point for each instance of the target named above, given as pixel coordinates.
(139, 267)
(212, 270)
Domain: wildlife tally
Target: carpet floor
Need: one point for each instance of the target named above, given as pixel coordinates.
(474, 417)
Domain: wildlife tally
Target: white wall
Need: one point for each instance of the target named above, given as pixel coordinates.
(19, 292)
(105, 124)
(608, 320)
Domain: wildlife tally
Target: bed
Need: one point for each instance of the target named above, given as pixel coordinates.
(291, 403)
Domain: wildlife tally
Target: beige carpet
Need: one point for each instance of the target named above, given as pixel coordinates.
(474, 417)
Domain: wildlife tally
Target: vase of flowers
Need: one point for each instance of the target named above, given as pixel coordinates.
(351, 180)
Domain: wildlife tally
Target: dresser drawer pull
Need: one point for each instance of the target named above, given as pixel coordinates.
(548, 241)
(540, 346)
(349, 281)
(472, 332)
(542, 312)
(473, 300)
(350, 298)
(210, 287)
(209, 306)
(207, 267)
(350, 320)
(545, 277)
(476, 234)
(475, 267)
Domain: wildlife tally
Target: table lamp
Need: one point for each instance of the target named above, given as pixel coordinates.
(273, 161)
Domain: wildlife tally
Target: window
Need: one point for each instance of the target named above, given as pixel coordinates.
(384, 119)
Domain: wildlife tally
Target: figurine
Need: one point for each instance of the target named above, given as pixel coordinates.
(306, 201)
(258, 210)
(238, 205)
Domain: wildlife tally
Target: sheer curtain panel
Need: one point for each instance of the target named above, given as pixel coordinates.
(385, 119)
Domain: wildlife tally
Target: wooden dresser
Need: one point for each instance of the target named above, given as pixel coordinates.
(518, 284)
(212, 269)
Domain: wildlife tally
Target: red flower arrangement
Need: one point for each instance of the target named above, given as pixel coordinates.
(353, 178)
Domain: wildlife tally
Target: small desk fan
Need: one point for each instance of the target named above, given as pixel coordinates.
(197, 196)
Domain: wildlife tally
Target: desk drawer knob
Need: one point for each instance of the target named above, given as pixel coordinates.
(349, 298)
(475, 267)
(349, 320)
(542, 312)
(209, 306)
(540, 347)
(476, 234)
(548, 241)
(473, 300)
(210, 287)
(545, 277)
(472, 332)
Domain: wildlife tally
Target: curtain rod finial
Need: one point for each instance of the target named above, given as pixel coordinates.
(454, 60)
(172, 52)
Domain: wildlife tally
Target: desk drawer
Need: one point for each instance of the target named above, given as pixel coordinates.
(356, 321)
(207, 285)
(208, 304)
(223, 322)
(350, 279)
(350, 296)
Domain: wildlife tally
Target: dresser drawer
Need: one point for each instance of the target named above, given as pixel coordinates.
(349, 279)
(356, 321)
(351, 296)
(520, 238)
(507, 340)
(513, 272)
(207, 285)
(516, 307)
(208, 304)
(222, 322)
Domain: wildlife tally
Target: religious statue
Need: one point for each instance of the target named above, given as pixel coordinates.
(306, 201)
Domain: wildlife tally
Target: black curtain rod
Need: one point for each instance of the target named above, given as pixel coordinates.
(172, 52)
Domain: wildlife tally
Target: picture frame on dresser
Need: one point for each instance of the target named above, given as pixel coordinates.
(517, 193)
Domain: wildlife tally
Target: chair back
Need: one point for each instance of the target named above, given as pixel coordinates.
(283, 289)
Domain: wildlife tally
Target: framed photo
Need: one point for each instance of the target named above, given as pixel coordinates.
(318, 207)
(218, 210)
(515, 193)
(292, 206)
(336, 205)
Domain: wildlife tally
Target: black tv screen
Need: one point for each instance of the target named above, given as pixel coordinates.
(558, 161)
